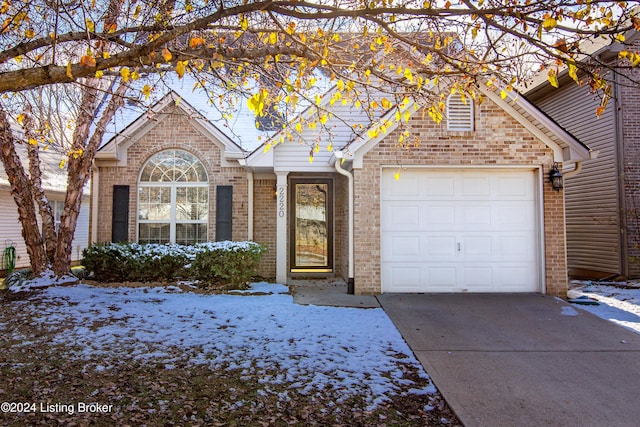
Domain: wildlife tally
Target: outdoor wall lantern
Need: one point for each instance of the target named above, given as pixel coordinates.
(555, 176)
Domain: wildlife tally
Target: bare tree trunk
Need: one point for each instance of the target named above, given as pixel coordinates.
(21, 192)
(37, 192)
(79, 169)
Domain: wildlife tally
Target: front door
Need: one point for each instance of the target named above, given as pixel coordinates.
(311, 225)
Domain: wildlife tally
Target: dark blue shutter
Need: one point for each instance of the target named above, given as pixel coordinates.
(120, 214)
(224, 212)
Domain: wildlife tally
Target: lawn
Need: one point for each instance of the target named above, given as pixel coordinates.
(87, 355)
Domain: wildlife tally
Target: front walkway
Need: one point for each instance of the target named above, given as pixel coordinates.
(330, 292)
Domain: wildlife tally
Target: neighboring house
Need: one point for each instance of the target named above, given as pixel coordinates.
(54, 182)
(603, 199)
(472, 211)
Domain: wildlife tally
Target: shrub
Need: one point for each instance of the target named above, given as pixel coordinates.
(17, 277)
(227, 262)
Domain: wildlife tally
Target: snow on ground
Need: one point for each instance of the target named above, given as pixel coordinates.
(357, 351)
(619, 302)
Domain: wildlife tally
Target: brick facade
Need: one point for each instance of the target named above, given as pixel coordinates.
(497, 140)
(172, 131)
(630, 123)
(264, 223)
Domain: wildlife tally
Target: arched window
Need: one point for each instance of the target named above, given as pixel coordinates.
(173, 199)
(459, 113)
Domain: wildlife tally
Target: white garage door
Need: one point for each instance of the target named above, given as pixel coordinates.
(459, 231)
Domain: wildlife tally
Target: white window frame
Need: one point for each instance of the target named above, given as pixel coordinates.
(173, 187)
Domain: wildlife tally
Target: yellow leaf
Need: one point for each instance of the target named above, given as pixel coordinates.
(135, 75)
(397, 176)
(87, 61)
(298, 127)
(573, 72)
(18, 59)
(99, 74)
(68, 71)
(90, 25)
(620, 38)
(317, 148)
(136, 12)
(323, 119)
(32, 141)
(146, 91)
(106, 55)
(29, 34)
(267, 147)
(273, 38)
(20, 118)
(553, 78)
(125, 73)
(386, 104)
(181, 68)
(549, 23)
(195, 42)
(244, 23)
(503, 94)
(62, 163)
(166, 54)
(330, 146)
(310, 159)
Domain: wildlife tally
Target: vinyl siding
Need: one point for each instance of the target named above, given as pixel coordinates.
(11, 231)
(293, 156)
(591, 197)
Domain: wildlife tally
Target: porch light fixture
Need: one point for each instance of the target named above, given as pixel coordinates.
(555, 176)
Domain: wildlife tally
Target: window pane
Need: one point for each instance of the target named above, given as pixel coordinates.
(154, 233)
(190, 233)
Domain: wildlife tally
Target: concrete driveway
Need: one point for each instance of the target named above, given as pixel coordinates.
(522, 360)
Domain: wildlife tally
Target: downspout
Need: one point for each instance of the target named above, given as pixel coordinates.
(621, 176)
(341, 171)
(575, 171)
(250, 205)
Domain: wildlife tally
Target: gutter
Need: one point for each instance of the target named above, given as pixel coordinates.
(95, 184)
(341, 171)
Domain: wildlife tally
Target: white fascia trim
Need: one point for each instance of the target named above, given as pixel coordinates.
(357, 150)
(573, 150)
(256, 156)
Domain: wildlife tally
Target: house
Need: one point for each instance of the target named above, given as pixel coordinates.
(603, 200)
(54, 182)
(473, 209)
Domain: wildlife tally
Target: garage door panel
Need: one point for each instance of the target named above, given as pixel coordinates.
(475, 232)
(475, 186)
(440, 246)
(515, 216)
(404, 246)
(513, 247)
(442, 186)
(440, 278)
(513, 186)
(406, 188)
(475, 215)
(438, 214)
(477, 247)
(403, 277)
(401, 216)
(477, 278)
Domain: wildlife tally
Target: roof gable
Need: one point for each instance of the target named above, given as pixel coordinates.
(116, 147)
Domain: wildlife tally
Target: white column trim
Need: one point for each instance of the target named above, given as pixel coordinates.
(281, 227)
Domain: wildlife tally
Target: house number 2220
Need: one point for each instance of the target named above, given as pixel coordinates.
(281, 202)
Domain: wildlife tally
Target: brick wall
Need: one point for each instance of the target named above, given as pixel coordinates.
(264, 223)
(173, 130)
(630, 118)
(497, 140)
(341, 230)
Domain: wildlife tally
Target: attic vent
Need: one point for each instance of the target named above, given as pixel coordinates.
(459, 114)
